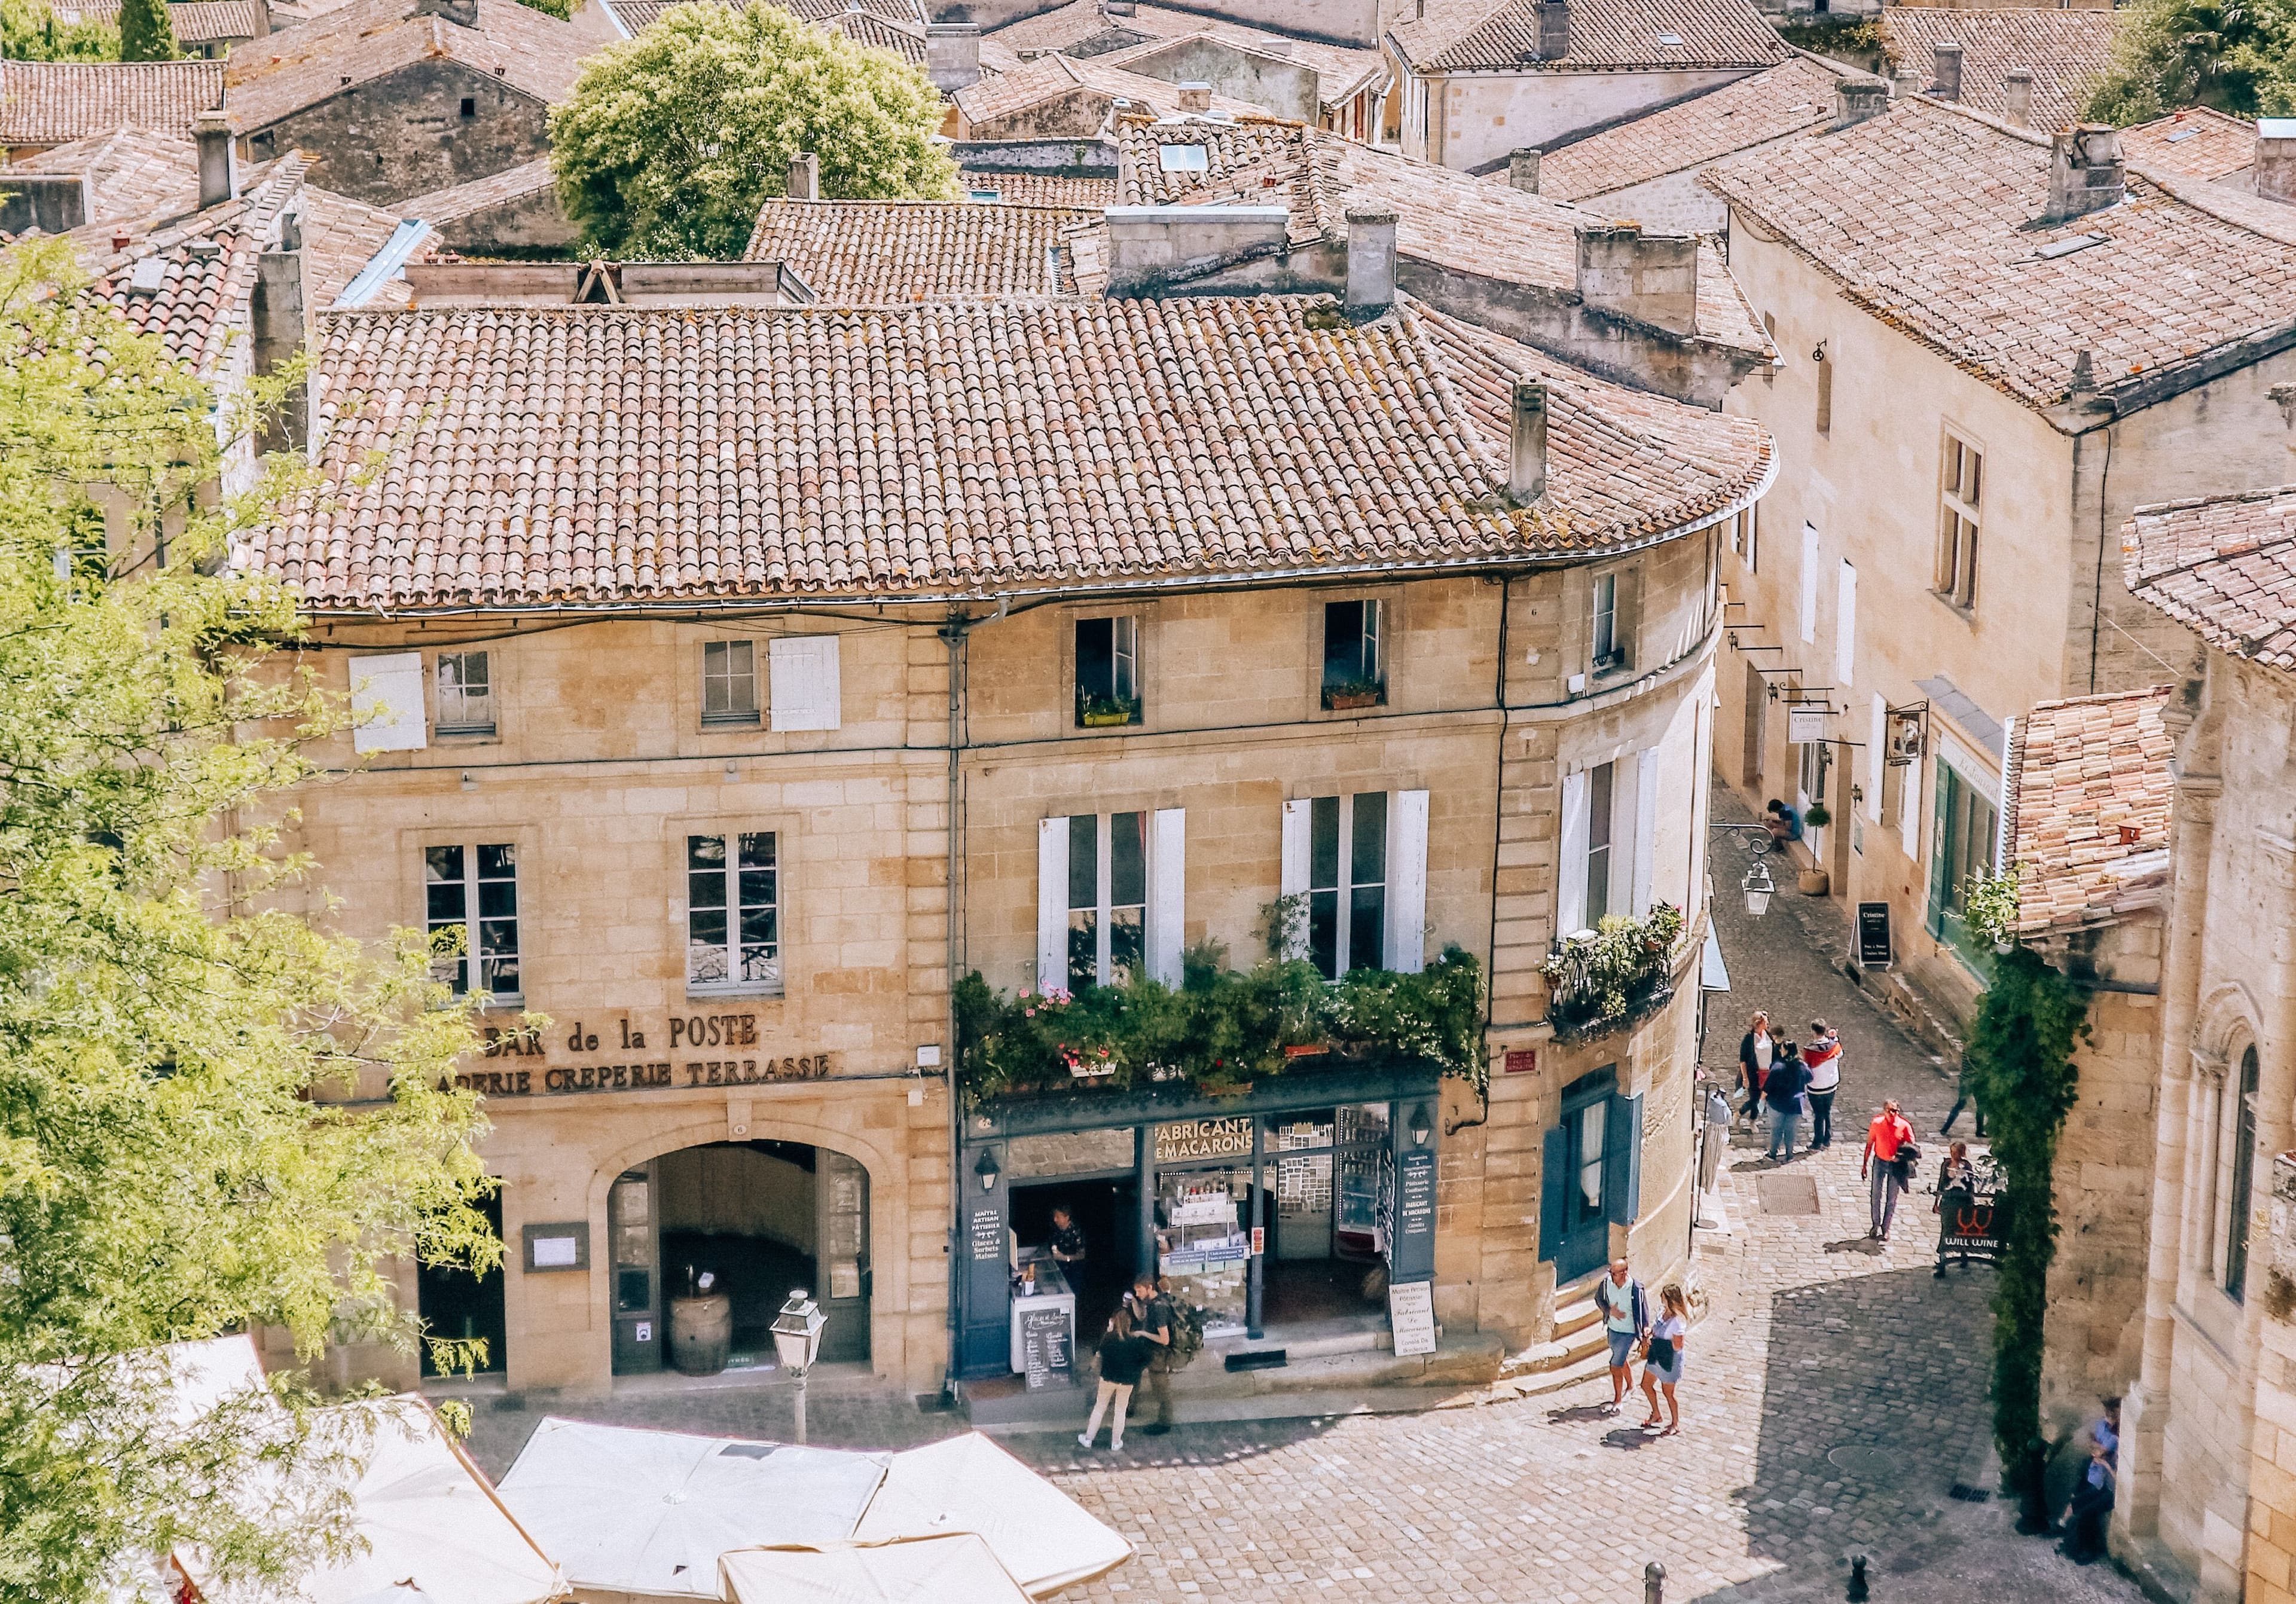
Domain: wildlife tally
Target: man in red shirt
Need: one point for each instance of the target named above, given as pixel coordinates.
(1884, 1137)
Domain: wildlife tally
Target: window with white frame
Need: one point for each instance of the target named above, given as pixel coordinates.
(1962, 488)
(471, 891)
(466, 694)
(1355, 668)
(1602, 816)
(1107, 672)
(732, 913)
(1107, 898)
(1609, 634)
(1346, 883)
(729, 683)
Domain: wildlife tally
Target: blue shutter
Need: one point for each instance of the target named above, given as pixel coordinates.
(1553, 1190)
(1622, 1160)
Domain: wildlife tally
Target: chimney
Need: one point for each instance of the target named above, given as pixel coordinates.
(2085, 172)
(1553, 29)
(1945, 75)
(1651, 278)
(218, 173)
(2276, 157)
(281, 319)
(1857, 99)
(461, 14)
(1371, 261)
(2017, 97)
(1527, 448)
(1195, 97)
(1522, 171)
(953, 55)
(262, 19)
(804, 176)
(52, 203)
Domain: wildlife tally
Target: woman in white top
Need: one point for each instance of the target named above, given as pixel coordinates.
(1663, 1358)
(1756, 1050)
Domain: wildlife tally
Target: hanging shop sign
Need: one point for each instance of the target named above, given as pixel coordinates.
(1186, 1138)
(535, 1063)
(1806, 724)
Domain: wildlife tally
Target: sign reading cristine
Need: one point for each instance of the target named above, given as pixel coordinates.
(695, 1031)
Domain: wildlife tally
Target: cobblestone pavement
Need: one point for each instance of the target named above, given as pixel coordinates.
(1834, 1393)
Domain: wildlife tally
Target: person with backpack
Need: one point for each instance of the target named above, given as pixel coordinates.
(1785, 1090)
(1822, 1059)
(1123, 1357)
(1626, 1317)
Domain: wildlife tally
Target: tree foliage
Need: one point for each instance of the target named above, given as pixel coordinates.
(2237, 56)
(673, 140)
(177, 1157)
(32, 31)
(147, 33)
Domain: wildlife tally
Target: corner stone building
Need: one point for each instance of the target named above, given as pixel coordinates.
(1013, 636)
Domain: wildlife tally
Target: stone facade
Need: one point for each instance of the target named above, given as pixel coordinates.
(406, 132)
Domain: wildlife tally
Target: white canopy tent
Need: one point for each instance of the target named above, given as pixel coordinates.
(957, 1567)
(968, 1484)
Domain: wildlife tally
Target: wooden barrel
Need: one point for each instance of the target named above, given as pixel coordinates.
(701, 1333)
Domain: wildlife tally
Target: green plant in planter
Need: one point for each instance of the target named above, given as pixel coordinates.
(1599, 981)
(1353, 692)
(1099, 712)
(1818, 816)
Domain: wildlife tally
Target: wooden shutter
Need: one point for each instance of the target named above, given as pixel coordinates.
(1553, 1190)
(1570, 866)
(386, 701)
(1406, 882)
(1877, 757)
(807, 688)
(1845, 625)
(1299, 824)
(1168, 892)
(1052, 904)
(1645, 829)
(1622, 1160)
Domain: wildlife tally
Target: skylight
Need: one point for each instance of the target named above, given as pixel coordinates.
(2181, 134)
(1184, 159)
(1669, 38)
(2065, 247)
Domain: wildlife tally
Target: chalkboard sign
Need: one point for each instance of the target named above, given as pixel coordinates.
(1874, 944)
(1411, 1314)
(987, 1236)
(1045, 1346)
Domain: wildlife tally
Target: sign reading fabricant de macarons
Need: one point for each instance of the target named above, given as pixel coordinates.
(630, 1067)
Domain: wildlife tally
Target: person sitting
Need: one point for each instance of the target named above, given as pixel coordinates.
(1783, 822)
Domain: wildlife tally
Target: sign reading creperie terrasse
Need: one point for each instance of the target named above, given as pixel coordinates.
(723, 1037)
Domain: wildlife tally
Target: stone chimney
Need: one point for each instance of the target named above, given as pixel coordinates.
(463, 13)
(1526, 446)
(2085, 171)
(2017, 97)
(262, 19)
(1857, 99)
(1945, 73)
(52, 203)
(280, 322)
(1195, 97)
(804, 176)
(218, 172)
(2276, 157)
(953, 55)
(1371, 261)
(1553, 29)
(1651, 278)
(1522, 171)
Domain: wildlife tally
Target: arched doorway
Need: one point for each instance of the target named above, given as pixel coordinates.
(762, 1217)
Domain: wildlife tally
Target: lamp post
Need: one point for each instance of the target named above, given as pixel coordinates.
(797, 1339)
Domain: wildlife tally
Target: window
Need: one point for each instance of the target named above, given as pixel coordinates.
(729, 683)
(2243, 1180)
(466, 697)
(1346, 883)
(1107, 672)
(1608, 653)
(458, 881)
(1601, 795)
(1754, 538)
(1958, 516)
(1817, 760)
(470, 106)
(1355, 672)
(1107, 898)
(1966, 823)
(732, 913)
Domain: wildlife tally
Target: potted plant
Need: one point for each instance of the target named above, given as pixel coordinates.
(1818, 816)
(1102, 712)
(1341, 695)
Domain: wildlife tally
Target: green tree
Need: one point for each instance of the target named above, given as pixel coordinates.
(2237, 56)
(177, 1157)
(32, 31)
(673, 140)
(147, 33)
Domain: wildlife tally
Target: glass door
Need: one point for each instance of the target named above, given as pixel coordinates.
(636, 1228)
(841, 1196)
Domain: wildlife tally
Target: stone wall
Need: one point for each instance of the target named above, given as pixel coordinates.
(403, 134)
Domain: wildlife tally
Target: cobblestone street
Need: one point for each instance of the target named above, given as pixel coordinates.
(1835, 1392)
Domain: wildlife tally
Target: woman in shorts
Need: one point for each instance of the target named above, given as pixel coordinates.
(1663, 1358)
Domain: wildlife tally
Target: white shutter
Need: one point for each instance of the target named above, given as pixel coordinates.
(387, 702)
(1406, 882)
(1571, 865)
(1808, 583)
(1909, 808)
(1052, 904)
(1877, 757)
(1299, 825)
(1167, 894)
(807, 688)
(1702, 765)
(1845, 625)
(1645, 827)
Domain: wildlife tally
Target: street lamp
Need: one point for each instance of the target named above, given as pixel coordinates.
(797, 1339)
(1758, 888)
(987, 1170)
(1421, 1127)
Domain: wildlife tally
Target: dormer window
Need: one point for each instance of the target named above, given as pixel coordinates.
(1184, 159)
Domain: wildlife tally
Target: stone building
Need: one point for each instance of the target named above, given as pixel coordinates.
(748, 674)
(2026, 65)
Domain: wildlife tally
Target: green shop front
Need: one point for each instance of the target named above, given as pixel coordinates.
(1299, 1199)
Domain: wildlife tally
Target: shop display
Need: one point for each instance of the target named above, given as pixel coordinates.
(1202, 1249)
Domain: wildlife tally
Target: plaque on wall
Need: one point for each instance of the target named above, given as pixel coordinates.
(562, 1247)
(1411, 1316)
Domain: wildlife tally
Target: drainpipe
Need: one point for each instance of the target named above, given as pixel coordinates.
(954, 632)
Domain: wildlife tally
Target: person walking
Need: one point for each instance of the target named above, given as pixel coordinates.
(1123, 1356)
(1663, 1358)
(1784, 1089)
(2092, 1500)
(1889, 1148)
(1152, 1319)
(1756, 1050)
(1822, 1059)
(1964, 1096)
(1957, 1195)
(1626, 1316)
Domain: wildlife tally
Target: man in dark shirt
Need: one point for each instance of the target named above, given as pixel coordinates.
(1068, 1242)
(1152, 1319)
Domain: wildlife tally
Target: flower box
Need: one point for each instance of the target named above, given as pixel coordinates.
(1105, 718)
(1343, 700)
(1307, 1050)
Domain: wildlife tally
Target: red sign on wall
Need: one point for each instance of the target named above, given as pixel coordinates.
(1521, 1060)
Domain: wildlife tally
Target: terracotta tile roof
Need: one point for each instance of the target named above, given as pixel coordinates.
(2089, 789)
(1605, 35)
(636, 14)
(1924, 216)
(54, 102)
(1048, 78)
(1258, 161)
(274, 76)
(1747, 112)
(2225, 566)
(2195, 142)
(133, 175)
(495, 189)
(2066, 51)
(195, 21)
(602, 454)
(856, 253)
(1042, 189)
(1080, 29)
(906, 40)
(340, 236)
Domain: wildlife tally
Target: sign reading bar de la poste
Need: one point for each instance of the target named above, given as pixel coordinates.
(628, 1066)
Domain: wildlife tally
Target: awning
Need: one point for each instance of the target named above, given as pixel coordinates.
(968, 1484)
(1713, 974)
(956, 1568)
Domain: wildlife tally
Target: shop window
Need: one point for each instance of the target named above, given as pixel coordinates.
(1107, 898)
(732, 913)
(1966, 823)
(1107, 672)
(460, 882)
(466, 696)
(729, 684)
(2238, 1202)
(1346, 883)
(1355, 668)
(1957, 520)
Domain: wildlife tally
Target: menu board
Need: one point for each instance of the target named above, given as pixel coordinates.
(1047, 1348)
(987, 1236)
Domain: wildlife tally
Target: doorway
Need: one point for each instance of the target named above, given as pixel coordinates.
(1330, 1181)
(454, 1303)
(1583, 1235)
(1107, 1210)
